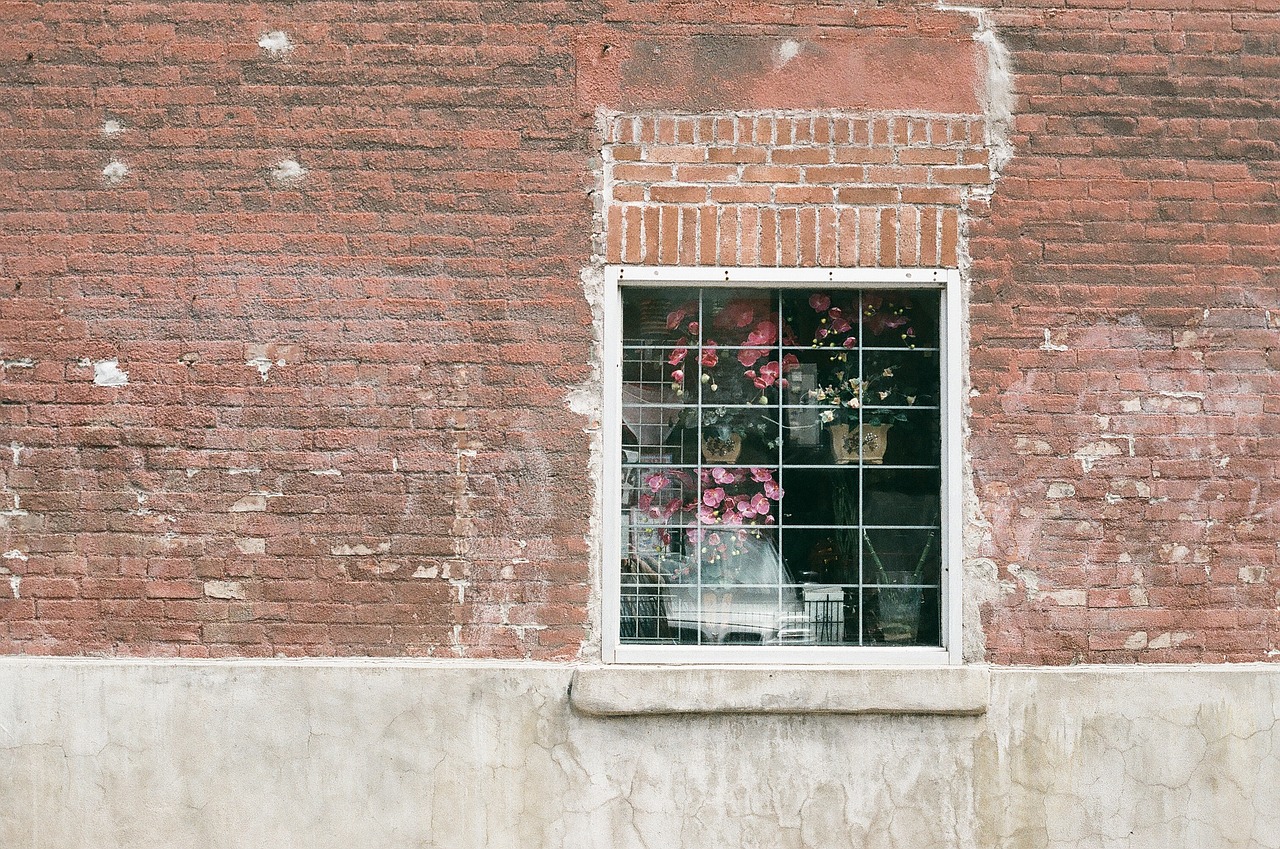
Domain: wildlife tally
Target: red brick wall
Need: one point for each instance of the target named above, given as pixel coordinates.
(1126, 337)
(407, 479)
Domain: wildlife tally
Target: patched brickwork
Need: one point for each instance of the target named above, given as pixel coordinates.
(789, 190)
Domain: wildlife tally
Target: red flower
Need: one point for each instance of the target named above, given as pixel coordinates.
(820, 303)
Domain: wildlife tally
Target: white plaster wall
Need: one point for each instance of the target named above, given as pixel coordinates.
(100, 753)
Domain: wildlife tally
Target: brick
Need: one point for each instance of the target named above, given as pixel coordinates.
(867, 194)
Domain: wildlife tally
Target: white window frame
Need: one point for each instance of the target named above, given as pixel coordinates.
(938, 279)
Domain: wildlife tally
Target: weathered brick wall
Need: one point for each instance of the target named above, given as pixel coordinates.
(340, 270)
(343, 430)
(1125, 318)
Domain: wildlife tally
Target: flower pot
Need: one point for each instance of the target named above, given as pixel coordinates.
(865, 442)
(717, 449)
(898, 608)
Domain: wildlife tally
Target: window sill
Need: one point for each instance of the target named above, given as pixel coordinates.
(657, 690)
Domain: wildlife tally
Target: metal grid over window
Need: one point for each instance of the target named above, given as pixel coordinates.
(781, 477)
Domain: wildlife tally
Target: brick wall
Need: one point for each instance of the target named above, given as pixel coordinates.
(1126, 338)
(789, 190)
(287, 322)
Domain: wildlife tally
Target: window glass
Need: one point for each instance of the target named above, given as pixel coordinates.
(781, 480)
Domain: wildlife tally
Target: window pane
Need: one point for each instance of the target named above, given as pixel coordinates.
(781, 467)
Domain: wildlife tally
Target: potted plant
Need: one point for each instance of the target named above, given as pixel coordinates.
(858, 408)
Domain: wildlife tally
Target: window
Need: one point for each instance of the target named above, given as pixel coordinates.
(783, 465)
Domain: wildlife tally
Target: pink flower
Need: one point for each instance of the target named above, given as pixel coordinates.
(673, 506)
(820, 303)
(707, 516)
(678, 354)
(768, 375)
(735, 314)
(749, 356)
(665, 537)
(790, 361)
(709, 356)
(761, 475)
(644, 500)
(677, 315)
(772, 490)
(712, 497)
(713, 538)
(677, 376)
(656, 481)
(760, 504)
(693, 328)
(764, 334)
(723, 475)
(850, 342)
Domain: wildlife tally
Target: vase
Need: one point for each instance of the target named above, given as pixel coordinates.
(717, 449)
(865, 442)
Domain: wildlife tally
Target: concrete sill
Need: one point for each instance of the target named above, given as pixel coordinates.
(657, 690)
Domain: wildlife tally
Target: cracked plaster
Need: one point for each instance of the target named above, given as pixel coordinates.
(459, 755)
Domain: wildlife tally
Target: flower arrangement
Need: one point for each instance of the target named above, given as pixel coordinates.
(880, 317)
(847, 397)
(734, 381)
(737, 500)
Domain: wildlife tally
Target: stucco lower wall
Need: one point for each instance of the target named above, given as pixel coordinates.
(361, 754)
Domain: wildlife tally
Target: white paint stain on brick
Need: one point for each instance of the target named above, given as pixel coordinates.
(112, 128)
(224, 589)
(253, 503)
(20, 362)
(108, 373)
(1137, 640)
(426, 572)
(275, 43)
(1253, 574)
(288, 171)
(326, 473)
(251, 545)
(15, 448)
(1049, 344)
(115, 172)
(15, 554)
(785, 52)
(1060, 489)
(359, 549)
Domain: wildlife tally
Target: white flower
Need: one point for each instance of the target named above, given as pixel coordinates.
(827, 416)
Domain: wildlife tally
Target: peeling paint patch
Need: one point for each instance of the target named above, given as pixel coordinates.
(224, 590)
(255, 503)
(288, 171)
(1137, 640)
(20, 362)
(275, 43)
(1049, 344)
(329, 473)
(115, 172)
(1253, 574)
(426, 572)
(1061, 489)
(251, 545)
(264, 357)
(15, 448)
(112, 128)
(108, 373)
(359, 550)
(15, 554)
